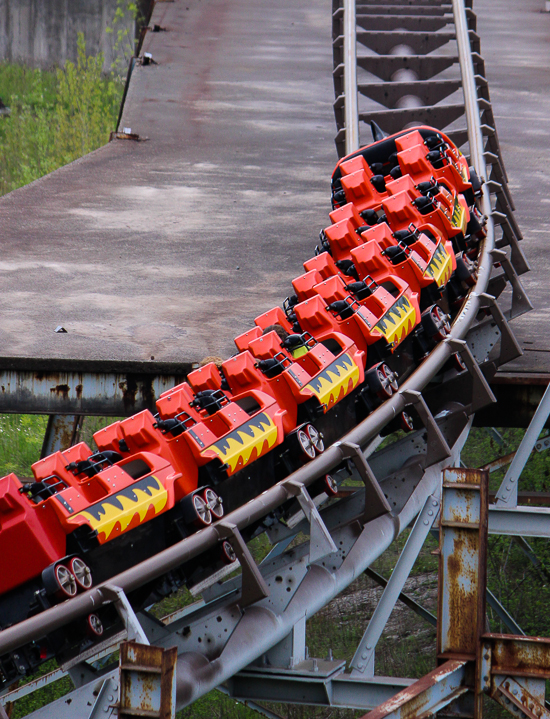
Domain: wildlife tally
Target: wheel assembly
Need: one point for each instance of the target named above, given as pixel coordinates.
(81, 572)
(65, 582)
(303, 445)
(382, 381)
(202, 514)
(331, 486)
(94, 625)
(316, 438)
(214, 503)
(228, 553)
(406, 422)
(436, 323)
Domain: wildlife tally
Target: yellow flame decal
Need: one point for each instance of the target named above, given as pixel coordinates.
(440, 267)
(335, 381)
(131, 503)
(236, 448)
(398, 321)
(458, 219)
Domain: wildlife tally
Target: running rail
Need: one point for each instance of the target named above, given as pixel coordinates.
(256, 630)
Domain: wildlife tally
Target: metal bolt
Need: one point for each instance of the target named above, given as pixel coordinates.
(110, 697)
(434, 503)
(426, 522)
(430, 513)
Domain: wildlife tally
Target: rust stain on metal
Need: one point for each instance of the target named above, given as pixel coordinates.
(78, 389)
(462, 588)
(62, 390)
(522, 656)
(411, 702)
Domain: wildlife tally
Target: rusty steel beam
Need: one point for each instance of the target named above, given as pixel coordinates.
(462, 562)
(147, 681)
(116, 393)
(427, 695)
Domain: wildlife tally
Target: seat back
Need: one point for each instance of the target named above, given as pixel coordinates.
(274, 316)
(409, 140)
(347, 212)
(400, 211)
(266, 346)
(207, 377)
(242, 341)
(332, 289)
(304, 284)
(242, 373)
(342, 238)
(324, 264)
(354, 164)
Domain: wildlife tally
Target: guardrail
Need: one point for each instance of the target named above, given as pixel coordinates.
(243, 622)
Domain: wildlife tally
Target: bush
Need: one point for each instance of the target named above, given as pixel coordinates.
(56, 116)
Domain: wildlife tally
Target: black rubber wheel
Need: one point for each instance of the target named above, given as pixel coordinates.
(436, 323)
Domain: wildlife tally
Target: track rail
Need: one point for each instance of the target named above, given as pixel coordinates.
(239, 624)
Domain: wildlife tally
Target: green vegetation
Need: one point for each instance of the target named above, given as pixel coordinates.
(407, 647)
(56, 116)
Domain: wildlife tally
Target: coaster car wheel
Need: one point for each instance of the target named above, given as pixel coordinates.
(330, 485)
(406, 422)
(301, 444)
(382, 381)
(59, 582)
(465, 271)
(228, 553)
(202, 516)
(436, 323)
(458, 362)
(316, 438)
(214, 503)
(94, 626)
(81, 572)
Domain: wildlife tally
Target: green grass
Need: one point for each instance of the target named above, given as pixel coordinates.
(56, 116)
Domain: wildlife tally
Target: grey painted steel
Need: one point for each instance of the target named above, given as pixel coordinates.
(362, 660)
(104, 391)
(317, 686)
(507, 493)
(350, 77)
(520, 521)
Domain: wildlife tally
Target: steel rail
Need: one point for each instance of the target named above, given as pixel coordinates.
(195, 674)
(62, 614)
(350, 77)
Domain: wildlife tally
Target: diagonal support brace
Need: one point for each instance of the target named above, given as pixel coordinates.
(520, 301)
(509, 346)
(320, 541)
(482, 394)
(254, 586)
(437, 447)
(376, 503)
(134, 630)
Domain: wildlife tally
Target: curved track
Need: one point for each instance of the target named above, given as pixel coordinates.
(238, 624)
